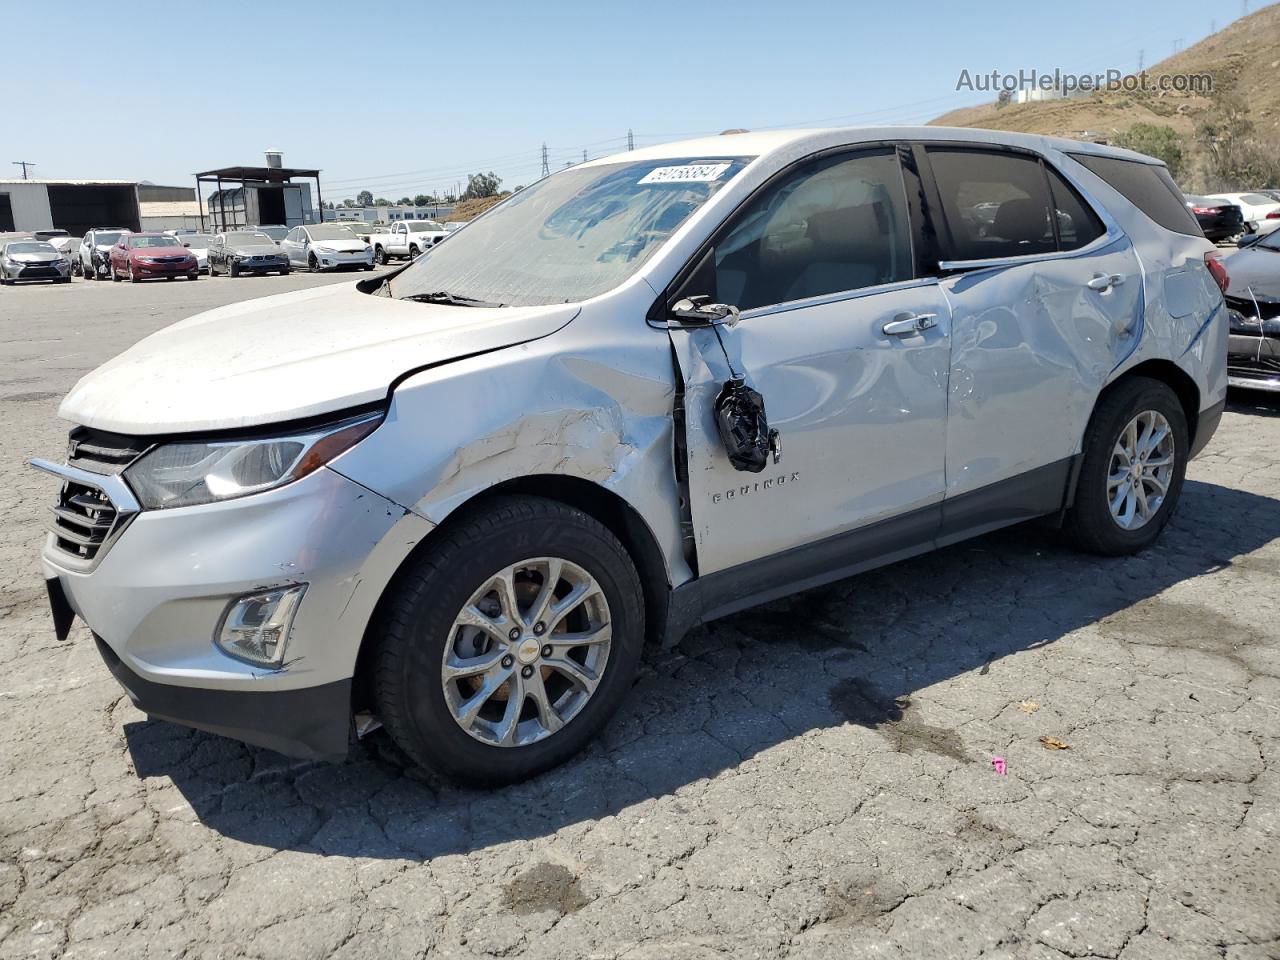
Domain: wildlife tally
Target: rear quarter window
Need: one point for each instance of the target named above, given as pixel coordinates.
(1148, 187)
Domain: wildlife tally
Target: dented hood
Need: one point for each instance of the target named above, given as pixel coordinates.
(287, 357)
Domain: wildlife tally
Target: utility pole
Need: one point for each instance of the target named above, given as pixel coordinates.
(631, 140)
(1177, 45)
(584, 154)
(1142, 59)
(24, 164)
(1213, 26)
(546, 170)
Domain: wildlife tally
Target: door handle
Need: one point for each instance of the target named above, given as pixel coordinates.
(906, 324)
(1103, 282)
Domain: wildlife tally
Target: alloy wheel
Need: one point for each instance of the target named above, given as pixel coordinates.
(526, 652)
(1141, 470)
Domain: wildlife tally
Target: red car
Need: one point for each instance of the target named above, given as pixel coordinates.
(143, 256)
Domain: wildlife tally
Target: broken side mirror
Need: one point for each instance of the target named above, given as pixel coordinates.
(698, 311)
(744, 428)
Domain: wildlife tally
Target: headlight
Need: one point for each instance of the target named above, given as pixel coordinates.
(184, 474)
(60, 262)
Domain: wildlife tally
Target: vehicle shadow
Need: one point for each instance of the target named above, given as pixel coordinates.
(855, 652)
(1257, 403)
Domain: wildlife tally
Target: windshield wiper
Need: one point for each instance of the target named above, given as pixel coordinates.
(453, 299)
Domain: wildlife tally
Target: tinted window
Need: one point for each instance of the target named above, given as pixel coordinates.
(995, 204)
(1148, 187)
(1256, 199)
(837, 224)
(1078, 225)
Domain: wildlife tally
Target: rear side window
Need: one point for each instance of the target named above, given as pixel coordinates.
(1078, 225)
(1148, 187)
(837, 224)
(995, 204)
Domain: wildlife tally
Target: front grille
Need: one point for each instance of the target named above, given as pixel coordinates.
(84, 518)
(169, 259)
(38, 272)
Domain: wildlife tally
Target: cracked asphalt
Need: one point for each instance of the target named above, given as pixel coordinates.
(812, 779)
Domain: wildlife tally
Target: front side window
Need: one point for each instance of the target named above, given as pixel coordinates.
(569, 237)
(996, 204)
(1078, 225)
(838, 223)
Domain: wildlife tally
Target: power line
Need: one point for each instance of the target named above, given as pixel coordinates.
(24, 164)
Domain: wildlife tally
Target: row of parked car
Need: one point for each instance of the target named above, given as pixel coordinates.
(1236, 216)
(117, 253)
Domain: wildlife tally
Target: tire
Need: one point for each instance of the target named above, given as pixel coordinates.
(194, 276)
(133, 276)
(89, 274)
(417, 622)
(313, 264)
(233, 270)
(367, 266)
(285, 272)
(380, 256)
(64, 279)
(209, 267)
(1090, 522)
(414, 251)
(115, 277)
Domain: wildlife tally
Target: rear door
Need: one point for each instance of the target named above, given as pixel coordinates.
(1045, 294)
(819, 261)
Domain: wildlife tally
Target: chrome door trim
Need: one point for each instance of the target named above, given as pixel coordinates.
(838, 297)
(1113, 234)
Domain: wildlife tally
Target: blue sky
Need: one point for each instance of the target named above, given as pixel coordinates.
(411, 97)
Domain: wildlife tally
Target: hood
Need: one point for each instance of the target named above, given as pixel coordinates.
(255, 249)
(157, 252)
(341, 246)
(287, 357)
(1256, 269)
(41, 257)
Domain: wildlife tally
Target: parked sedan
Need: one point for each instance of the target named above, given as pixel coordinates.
(32, 260)
(1261, 212)
(149, 256)
(327, 246)
(1218, 219)
(198, 244)
(243, 251)
(1253, 299)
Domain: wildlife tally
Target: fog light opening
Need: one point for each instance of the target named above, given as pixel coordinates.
(256, 627)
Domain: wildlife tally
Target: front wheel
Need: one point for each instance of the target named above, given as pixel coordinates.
(233, 271)
(115, 275)
(1135, 460)
(313, 264)
(505, 648)
(380, 256)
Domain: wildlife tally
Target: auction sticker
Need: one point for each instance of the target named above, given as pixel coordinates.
(688, 173)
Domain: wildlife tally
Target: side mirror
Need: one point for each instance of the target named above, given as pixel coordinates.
(186, 244)
(696, 311)
(1248, 240)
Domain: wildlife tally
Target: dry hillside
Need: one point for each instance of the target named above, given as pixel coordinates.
(1242, 59)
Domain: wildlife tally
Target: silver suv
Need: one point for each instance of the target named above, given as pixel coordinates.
(640, 394)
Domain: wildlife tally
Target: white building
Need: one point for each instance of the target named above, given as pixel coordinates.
(76, 206)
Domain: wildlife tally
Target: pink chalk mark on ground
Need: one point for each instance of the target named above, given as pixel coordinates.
(999, 764)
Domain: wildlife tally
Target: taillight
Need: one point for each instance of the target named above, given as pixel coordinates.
(1204, 209)
(1213, 260)
(1274, 215)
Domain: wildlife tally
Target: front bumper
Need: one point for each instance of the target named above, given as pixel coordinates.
(156, 596)
(1253, 351)
(355, 258)
(38, 271)
(270, 265)
(165, 269)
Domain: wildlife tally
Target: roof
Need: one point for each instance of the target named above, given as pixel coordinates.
(801, 142)
(72, 183)
(270, 174)
(169, 208)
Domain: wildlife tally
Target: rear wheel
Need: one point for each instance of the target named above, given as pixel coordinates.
(1135, 460)
(233, 271)
(507, 646)
(413, 251)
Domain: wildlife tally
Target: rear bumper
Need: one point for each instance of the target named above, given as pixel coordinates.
(310, 722)
(1207, 425)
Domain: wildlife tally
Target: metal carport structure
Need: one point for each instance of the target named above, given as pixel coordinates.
(246, 177)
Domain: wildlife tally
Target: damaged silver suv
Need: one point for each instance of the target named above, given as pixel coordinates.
(642, 393)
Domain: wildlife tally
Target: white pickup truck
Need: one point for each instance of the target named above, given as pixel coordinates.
(405, 238)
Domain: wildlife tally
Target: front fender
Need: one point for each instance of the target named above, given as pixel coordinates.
(560, 406)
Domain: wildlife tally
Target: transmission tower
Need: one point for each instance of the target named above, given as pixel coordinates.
(631, 140)
(546, 169)
(584, 154)
(1142, 59)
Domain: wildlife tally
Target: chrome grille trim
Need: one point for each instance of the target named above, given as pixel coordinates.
(92, 511)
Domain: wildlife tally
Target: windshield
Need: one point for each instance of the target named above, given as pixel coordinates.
(274, 233)
(330, 233)
(106, 239)
(1270, 242)
(153, 242)
(30, 247)
(252, 239)
(569, 237)
(199, 240)
(422, 226)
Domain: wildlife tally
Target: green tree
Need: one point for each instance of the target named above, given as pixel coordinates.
(405, 202)
(383, 202)
(1160, 142)
(482, 185)
(423, 200)
(364, 198)
(349, 203)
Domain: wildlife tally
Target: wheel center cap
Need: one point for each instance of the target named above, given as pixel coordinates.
(528, 650)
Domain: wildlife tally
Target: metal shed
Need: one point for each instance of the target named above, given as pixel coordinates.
(246, 196)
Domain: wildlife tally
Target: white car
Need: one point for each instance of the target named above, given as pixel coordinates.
(326, 246)
(1261, 213)
(198, 244)
(406, 238)
(95, 251)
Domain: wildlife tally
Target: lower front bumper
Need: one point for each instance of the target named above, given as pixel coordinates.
(310, 722)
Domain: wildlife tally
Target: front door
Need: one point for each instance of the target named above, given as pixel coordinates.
(848, 349)
(1035, 332)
